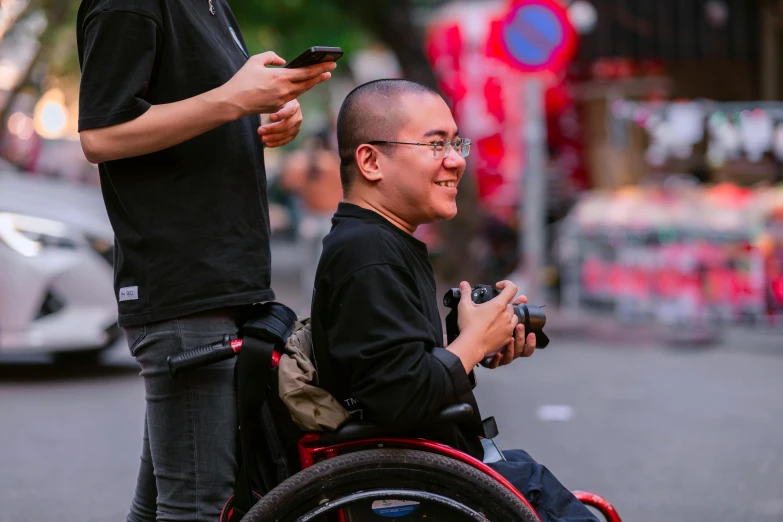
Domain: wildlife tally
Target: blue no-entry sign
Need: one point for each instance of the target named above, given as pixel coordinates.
(537, 36)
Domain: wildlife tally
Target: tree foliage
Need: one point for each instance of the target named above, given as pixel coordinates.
(288, 27)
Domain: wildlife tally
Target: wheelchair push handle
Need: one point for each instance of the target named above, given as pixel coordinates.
(204, 355)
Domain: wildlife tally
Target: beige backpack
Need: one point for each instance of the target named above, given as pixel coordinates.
(311, 408)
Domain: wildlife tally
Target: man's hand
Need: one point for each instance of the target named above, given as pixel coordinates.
(284, 126)
(521, 346)
(484, 328)
(259, 89)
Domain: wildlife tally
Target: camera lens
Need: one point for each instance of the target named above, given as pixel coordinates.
(534, 319)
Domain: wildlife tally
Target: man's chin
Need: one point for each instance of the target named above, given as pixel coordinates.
(447, 213)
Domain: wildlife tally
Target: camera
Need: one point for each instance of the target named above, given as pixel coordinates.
(531, 316)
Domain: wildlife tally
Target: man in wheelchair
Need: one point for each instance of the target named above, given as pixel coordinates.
(377, 337)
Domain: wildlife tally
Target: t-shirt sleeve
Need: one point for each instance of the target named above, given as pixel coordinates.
(117, 65)
(382, 342)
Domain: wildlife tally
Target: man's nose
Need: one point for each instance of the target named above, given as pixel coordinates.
(453, 159)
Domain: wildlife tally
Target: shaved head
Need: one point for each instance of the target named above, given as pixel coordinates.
(372, 112)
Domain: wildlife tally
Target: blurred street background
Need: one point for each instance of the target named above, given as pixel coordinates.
(626, 171)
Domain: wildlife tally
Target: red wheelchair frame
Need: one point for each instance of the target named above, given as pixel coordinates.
(311, 450)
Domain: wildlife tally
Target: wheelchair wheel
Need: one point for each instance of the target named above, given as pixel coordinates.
(390, 484)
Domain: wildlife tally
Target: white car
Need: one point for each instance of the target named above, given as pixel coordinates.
(56, 275)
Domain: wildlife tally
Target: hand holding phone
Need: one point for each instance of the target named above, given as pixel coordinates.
(258, 88)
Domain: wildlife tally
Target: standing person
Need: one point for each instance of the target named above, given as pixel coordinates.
(312, 174)
(169, 109)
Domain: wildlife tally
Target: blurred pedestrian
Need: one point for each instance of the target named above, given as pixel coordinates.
(169, 109)
(312, 174)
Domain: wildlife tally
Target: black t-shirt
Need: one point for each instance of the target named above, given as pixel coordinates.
(377, 335)
(191, 221)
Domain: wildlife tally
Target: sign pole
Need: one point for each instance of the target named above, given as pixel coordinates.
(532, 211)
(537, 39)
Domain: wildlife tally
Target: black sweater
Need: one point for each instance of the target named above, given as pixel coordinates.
(377, 335)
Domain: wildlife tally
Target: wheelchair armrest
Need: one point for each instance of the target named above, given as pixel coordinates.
(358, 430)
(460, 412)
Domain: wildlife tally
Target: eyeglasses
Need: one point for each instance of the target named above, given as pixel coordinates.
(440, 148)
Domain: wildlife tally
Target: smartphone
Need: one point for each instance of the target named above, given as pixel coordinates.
(314, 55)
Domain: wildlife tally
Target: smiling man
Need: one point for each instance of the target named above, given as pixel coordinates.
(377, 335)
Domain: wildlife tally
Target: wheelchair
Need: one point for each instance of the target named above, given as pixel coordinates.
(358, 473)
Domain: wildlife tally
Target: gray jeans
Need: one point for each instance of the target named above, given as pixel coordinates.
(188, 460)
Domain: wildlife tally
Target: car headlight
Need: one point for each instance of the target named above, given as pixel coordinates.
(28, 235)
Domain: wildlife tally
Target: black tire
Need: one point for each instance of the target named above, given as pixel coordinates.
(385, 469)
(91, 357)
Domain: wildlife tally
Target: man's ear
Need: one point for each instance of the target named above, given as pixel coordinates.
(367, 159)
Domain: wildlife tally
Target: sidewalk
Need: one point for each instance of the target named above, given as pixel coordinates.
(601, 327)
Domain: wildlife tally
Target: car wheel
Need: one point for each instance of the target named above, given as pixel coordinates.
(80, 357)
